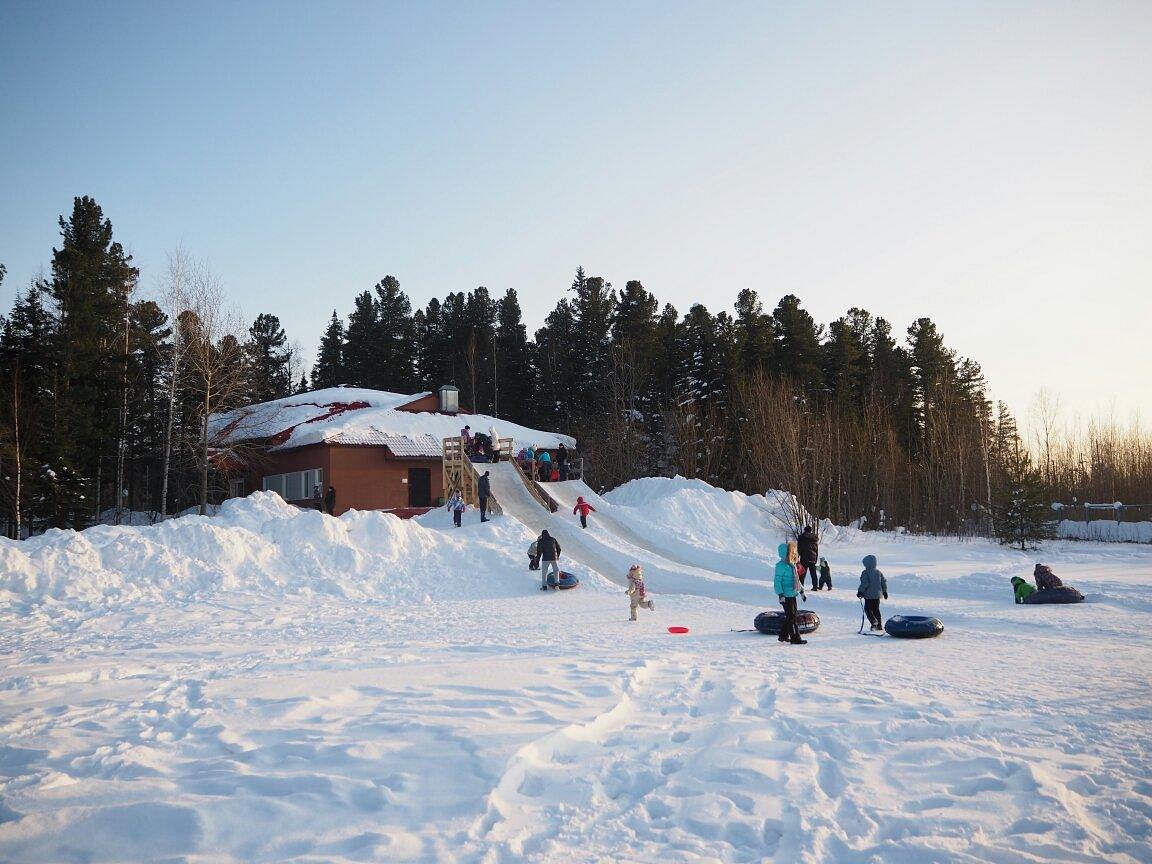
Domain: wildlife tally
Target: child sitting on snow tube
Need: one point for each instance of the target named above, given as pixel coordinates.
(1045, 578)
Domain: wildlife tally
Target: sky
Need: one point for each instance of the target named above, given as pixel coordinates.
(985, 165)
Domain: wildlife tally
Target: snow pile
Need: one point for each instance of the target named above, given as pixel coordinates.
(701, 514)
(255, 544)
(1106, 530)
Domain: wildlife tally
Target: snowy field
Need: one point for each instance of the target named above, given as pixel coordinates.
(271, 685)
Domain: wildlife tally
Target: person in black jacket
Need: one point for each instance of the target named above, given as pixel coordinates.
(809, 548)
(549, 550)
(330, 501)
(484, 492)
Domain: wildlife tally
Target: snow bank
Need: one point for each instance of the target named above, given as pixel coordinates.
(704, 515)
(1105, 529)
(257, 544)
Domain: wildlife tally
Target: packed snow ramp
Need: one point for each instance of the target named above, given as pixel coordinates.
(609, 553)
(621, 524)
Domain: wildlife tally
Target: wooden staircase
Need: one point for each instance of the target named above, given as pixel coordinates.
(462, 475)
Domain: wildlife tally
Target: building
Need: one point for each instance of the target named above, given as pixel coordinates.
(379, 450)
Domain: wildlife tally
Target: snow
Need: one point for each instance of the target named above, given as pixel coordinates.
(273, 684)
(1106, 530)
(354, 415)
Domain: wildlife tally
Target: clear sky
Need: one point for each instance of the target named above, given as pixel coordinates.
(988, 165)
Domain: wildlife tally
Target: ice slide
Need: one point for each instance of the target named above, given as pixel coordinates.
(611, 555)
(622, 525)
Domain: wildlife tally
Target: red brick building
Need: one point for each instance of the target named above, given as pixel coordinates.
(380, 451)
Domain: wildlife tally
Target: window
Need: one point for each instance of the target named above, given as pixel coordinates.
(295, 485)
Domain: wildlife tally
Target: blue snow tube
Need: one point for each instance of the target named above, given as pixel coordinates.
(770, 623)
(913, 627)
(1063, 594)
(567, 580)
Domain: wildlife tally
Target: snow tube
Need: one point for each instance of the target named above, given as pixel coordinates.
(567, 580)
(770, 622)
(913, 627)
(1063, 594)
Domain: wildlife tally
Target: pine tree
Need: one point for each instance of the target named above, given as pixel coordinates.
(797, 343)
(1022, 512)
(27, 366)
(592, 309)
(753, 335)
(394, 369)
(513, 362)
(329, 370)
(92, 280)
(361, 347)
(554, 368)
(267, 360)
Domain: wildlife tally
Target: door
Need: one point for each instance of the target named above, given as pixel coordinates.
(419, 487)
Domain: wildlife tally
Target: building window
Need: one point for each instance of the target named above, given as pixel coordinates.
(295, 485)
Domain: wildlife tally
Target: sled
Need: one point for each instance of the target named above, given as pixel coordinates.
(567, 580)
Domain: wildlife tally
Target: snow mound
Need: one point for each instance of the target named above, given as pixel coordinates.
(260, 544)
(703, 515)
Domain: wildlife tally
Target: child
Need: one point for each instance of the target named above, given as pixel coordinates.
(873, 585)
(534, 556)
(636, 590)
(583, 508)
(788, 584)
(1021, 589)
(825, 574)
(456, 507)
(1045, 578)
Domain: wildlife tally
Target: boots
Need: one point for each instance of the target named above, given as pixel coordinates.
(797, 641)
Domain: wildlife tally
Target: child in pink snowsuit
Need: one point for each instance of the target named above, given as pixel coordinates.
(583, 508)
(636, 591)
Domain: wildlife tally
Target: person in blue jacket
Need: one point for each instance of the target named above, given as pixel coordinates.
(873, 586)
(788, 585)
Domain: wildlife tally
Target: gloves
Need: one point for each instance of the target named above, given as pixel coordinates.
(885, 596)
(803, 596)
(859, 596)
(781, 596)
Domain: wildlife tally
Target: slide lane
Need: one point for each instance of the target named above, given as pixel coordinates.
(611, 555)
(623, 526)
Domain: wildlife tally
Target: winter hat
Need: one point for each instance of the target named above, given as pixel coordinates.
(636, 568)
(869, 561)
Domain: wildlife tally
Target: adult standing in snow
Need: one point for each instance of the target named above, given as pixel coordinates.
(484, 492)
(873, 586)
(317, 498)
(562, 460)
(549, 550)
(788, 585)
(808, 546)
(456, 507)
(583, 508)
(330, 501)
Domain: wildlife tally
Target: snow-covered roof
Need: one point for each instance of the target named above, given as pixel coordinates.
(354, 415)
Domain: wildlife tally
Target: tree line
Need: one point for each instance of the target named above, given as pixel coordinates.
(107, 397)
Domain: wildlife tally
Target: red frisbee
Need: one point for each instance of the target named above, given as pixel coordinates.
(677, 629)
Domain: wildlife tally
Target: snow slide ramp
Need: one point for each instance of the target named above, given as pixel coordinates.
(610, 554)
(618, 522)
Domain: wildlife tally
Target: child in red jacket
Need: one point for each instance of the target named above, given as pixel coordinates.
(583, 508)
